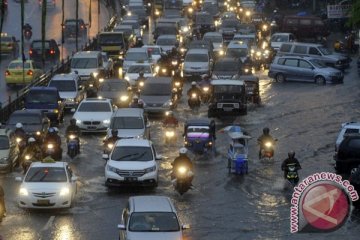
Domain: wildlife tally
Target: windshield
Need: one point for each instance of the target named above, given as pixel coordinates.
(325, 51)
(196, 58)
(4, 142)
(237, 52)
(133, 24)
(42, 97)
(166, 30)
(166, 41)
(139, 68)
(113, 86)
(198, 131)
(229, 24)
(114, 39)
(318, 63)
(214, 39)
(127, 123)
(173, 4)
(226, 66)
(25, 119)
(19, 65)
(154, 89)
(153, 51)
(154, 222)
(84, 63)
(227, 89)
(247, 29)
(63, 85)
(279, 38)
(204, 19)
(131, 153)
(45, 174)
(136, 56)
(94, 107)
(38, 45)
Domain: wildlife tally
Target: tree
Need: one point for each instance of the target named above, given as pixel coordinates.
(354, 19)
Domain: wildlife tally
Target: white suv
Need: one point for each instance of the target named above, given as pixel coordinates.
(347, 128)
(132, 161)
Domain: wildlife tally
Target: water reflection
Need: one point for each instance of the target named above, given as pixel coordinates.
(20, 233)
(65, 232)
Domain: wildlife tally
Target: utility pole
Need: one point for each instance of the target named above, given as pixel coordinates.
(43, 31)
(77, 24)
(98, 17)
(62, 28)
(22, 40)
(2, 9)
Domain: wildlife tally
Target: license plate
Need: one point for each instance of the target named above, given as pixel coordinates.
(228, 109)
(43, 201)
(91, 127)
(131, 179)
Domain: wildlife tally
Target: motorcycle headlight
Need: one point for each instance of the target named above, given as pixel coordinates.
(268, 144)
(168, 103)
(50, 146)
(221, 52)
(150, 169)
(56, 111)
(27, 157)
(182, 50)
(205, 89)
(72, 136)
(247, 13)
(190, 10)
(106, 121)
(174, 62)
(177, 84)
(18, 140)
(101, 80)
(95, 74)
(23, 191)
(264, 27)
(182, 170)
(163, 70)
(157, 69)
(141, 83)
(110, 146)
(127, 78)
(124, 98)
(38, 133)
(258, 54)
(64, 191)
(169, 133)
(194, 95)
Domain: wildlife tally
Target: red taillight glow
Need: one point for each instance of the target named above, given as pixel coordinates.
(30, 52)
(7, 73)
(52, 51)
(82, 26)
(29, 72)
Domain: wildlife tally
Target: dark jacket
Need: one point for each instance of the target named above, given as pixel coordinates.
(73, 129)
(194, 90)
(264, 138)
(288, 161)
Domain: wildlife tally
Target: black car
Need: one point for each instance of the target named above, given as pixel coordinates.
(204, 23)
(226, 68)
(35, 122)
(228, 28)
(165, 29)
(51, 51)
(355, 181)
(117, 90)
(348, 154)
(70, 28)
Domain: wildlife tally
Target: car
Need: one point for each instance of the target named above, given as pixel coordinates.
(348, 152)
(136, 27)
(202, 44)
(130, 123)
(167, 42)
(52, 52)
(117, 90)
(279, 38)
(132, 161)
(204, 22)
(133, 71)
(154, 51)
(139, 10)
(9, 151)
(35, 122)
(113, 43)
(108, 64)
(150, 217)
(135, 55)
(228, 28)
(212, 8)
(156, 101)
(15, 74)
(297, 68)
(165, 28)
(69, 28)
(217, 41)
(9, 45)
(49, 3)
(239, 50)
(47, 185)
(226, 68)
(197, 62)
(129, 34)
(93, 114)
(346, 128)
(70, 90)
(87, 64)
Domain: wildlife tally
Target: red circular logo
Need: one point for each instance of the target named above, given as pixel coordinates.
(325, 206)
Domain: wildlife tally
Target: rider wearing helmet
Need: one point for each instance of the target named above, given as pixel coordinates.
(139, 83)
(33, 150)
(114, 136)
(27, 27)
(19, 131)
(193, 89)
(170, 120)
(265, 137)
(73, 128)
(53, 137)
(136, 103)
(290, 160)
(182, 160)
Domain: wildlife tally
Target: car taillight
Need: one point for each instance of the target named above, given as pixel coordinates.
(52, 51)
(29, 72)
(30, 51)
(7, 73)
(82, 26)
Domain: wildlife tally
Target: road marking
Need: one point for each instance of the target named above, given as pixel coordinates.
(48, 224)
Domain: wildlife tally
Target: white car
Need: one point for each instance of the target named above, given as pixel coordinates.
(108, 64)
(135, 55)
(47, 185)
(197, 62)
(132, 161)
(133, 72)
(347, 128)
(167, 42)
(93, 114)
(154, 51)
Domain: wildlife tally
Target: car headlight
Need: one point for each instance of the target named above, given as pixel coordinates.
(3, 159)
(124, 98)
(23, 191)
(64, 191)
(78, 121)
(127, 78)
(111, 169)
(150, 169)
(69, 100)
(168, 103)
(106, 121)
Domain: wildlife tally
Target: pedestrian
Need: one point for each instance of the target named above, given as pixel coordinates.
(2, 203)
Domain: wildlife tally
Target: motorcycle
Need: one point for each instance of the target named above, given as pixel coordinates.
(26, 162)
(27, 34)
(205, 94)
(183, 179)
(292, 175)
(21, 143)
(108, 146)
(170, 133)
(73, 145)
(194, 101)
(267, 150)
(53, 150)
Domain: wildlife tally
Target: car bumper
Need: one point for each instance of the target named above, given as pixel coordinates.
(19, 80)
(114, 179)
(44, 203)
(93, 127)
(156, 109)
(334, 79)
(195, 73)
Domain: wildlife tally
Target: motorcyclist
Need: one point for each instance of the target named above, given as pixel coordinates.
(265, 137)
(2, 203)
(290, 160)
(337, 45)
(114, 137)
(73, 129)
(27, 27)
(170, 120)
(194, 89)
(174, 54)
(32, 149)
(53, 137)
(182, 160)
(136, 103)
(19, 131)
(139, 83)
(205, 80)
(91, 91)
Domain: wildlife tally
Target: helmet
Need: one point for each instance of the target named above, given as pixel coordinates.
(193, 83)
(141, 74)
(56, 130)
(114, 132)
(72, 121)
(51, 130)
(266, 131)
(291, 154)
(30, 140)
(19, 125)
(183, 150)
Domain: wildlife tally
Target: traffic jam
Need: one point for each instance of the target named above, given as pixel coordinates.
(171, 86)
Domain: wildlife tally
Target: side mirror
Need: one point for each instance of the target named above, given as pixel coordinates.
(185, 226)
(105, 156)
(158, 157)
(148, 125)
(18, 179)
(74, 179)
(121, 227)
(73, 110)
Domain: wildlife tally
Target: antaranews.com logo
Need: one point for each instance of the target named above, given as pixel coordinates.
(321, 203)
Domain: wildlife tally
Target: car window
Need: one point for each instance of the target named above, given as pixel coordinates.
(281, 61)
(42, 97)
(4, 142)
(139, 68)
(291, 37)
(46, 174)
(19, 65)
(354, 143)
(196, 58)
(351, 130)
(305, 21)
(214, 39)
(291, 62)
(237, 52)
(226, 66)
(300, 49)
(153, 51)
(94, 107)
(111, 39)
(113, 86)
(84, 63)
(136, 56)
(304, 64)
(285, 47)
(25, 119)
(154, 222)
(166, 41)
(153, 89)
(127, 123)
(132, 153)
(64, 85)
(314, 51)
(38, 45)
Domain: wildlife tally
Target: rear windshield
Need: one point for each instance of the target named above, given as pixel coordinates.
(156, 89)
(139, 68)
(111, 39)
(84, 63)
(19, 65)
(226, 66)
(42, 97)
(136, 56)
(127, 123)
(166, 41)
(38, 45)
(63, 85)
(113, 87)
(196, 58)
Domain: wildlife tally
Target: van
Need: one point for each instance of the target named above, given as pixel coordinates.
(113, 43)
(130, 123)
(48, 100)
(316, 51)
(87, 63)
(279, 38)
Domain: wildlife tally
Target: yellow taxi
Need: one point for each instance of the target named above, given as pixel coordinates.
(16, 75)
(9, 45)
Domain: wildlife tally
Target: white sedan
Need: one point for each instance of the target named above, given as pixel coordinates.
(133, 72)
(47, 185)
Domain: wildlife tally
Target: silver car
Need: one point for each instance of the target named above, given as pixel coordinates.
(293, 68)
(197, 62)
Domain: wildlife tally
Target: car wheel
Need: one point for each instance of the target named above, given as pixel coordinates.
(319, 80)
(280, 77)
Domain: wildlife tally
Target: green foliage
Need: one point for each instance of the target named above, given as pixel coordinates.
(355, 14)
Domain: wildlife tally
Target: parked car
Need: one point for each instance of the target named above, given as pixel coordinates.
(51, 51)
(15, 74)
(347, 156)
(9, 151)
(9, 45)
(150, 217)
(346, 128)
(294, 68)
(117, 90)
(132, 161)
